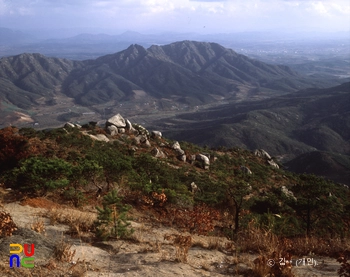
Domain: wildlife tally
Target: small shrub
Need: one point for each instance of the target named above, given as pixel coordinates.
(42, 174)
(112, 220)
(200, 220)
(76, 197)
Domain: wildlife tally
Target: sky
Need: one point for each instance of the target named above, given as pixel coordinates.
(200, 16)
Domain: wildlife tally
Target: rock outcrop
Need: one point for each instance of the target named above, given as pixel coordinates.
(245, 170)
(180, 154)
(156, 134)
(141, 130)
(288, 193)
(273, 163)
(204, 160)
(263, 154)
(99, 137)
(129, 128)
(142, 140)
(71, 125)
(119, 125)
(117, 121)
(194, 188)
(158, 153)
(112, 130)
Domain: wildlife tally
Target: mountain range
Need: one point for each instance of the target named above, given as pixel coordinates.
(190, 72)
(196, 91)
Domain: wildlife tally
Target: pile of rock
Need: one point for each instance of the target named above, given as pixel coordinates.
(118, 125)
(141, 137)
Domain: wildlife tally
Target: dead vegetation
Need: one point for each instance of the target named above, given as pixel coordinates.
(7, 226)
(79, 222)
(38, 225)
(182, 245)
(62, 251)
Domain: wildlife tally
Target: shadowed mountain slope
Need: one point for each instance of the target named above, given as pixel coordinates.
(308, 120)
(309, 127)
(26, 78)
(333, 166)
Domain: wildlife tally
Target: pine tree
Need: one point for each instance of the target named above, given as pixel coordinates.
(112, 218)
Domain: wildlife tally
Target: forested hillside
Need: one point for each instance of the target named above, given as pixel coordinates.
(75, 165)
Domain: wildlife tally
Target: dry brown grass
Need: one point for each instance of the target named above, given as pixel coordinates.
(257, 240)
(206, 266)
(264, 241)
(62, 251)
(272, 247)
(214, 243)
(39, 203)
(78, 221)
(15, 272)
(319, 246)
(199, 242)
(51, 264)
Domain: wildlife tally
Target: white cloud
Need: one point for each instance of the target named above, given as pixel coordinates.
(178, 15)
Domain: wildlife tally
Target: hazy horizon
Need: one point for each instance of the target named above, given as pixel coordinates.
(182, 16)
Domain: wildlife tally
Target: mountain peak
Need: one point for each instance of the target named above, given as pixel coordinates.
(136, 49)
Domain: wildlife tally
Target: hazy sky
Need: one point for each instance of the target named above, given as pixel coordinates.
(202, 16)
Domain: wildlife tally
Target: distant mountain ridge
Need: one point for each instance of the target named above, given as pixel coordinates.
(190, 72)
(12, 37)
